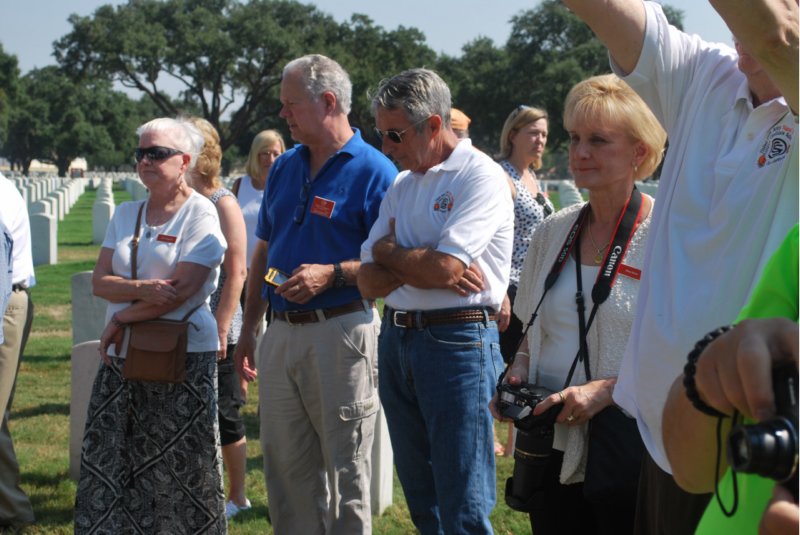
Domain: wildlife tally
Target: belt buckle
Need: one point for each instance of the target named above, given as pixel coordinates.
(395, 321)
(288, 317)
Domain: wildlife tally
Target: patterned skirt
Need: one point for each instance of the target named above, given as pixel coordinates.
(151, 459)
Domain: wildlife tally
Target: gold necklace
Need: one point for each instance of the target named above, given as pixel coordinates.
(599, 251)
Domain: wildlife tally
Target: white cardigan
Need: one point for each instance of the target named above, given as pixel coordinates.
(609, 332)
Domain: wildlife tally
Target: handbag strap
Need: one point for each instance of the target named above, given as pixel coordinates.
(135, 241)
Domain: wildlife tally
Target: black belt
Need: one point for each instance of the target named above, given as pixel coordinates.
(303, 317)
(18, 288)
(411, 319)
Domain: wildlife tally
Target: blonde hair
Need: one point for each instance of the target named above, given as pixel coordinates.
(209, 161)
(263, 140)
(608, 99)
(519, 118)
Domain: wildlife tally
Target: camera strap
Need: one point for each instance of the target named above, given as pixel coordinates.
(550, 280)
(623, 234)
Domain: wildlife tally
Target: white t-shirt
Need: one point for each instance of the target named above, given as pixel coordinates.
(250, 202)
(14, 215)
(728, 195)
(458, 207)
(192, 235)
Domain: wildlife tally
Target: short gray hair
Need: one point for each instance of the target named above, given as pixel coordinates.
(185, 136)
(421, 93)
(321, 74)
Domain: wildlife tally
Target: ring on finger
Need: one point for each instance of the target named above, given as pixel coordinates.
(561, 395)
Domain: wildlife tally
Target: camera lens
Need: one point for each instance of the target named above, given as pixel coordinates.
(768, 449)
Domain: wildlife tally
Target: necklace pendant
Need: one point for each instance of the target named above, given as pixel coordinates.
(598, 257)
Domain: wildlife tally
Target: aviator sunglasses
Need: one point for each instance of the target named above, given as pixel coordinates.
(395, 136)
(154, 154)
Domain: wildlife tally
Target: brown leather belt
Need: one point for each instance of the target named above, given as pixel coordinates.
(413, 319)
(303, 317)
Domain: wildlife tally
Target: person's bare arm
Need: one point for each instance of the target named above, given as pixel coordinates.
(235, 265)
(768, 29)
(733, 373)
(421, 267)
(619, 24)
(117, 289)
(254, 310)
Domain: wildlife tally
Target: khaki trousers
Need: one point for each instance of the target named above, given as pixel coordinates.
(319, 401)
(15, 507)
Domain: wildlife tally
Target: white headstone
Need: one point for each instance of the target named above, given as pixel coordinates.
(568, 194)
(381, 484)
(44, 239)
(85, 363)
(89, 311)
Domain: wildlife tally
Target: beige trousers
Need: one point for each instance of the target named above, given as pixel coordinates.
(319, 400)
(15, 507)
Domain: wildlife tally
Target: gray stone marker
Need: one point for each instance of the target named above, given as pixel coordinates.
(649, 188)
(85, 362)
(89, 311)
(381, 484)
(102, 211)
(568, 194)
(44, 239)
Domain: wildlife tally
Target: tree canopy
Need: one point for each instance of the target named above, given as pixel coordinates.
(222, 60)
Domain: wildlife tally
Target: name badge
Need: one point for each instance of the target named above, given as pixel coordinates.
(631, 272)
(166, 238)
(323, 207)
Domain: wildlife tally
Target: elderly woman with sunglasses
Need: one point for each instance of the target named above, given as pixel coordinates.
(151, 451)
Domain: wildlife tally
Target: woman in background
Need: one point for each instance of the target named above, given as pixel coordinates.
(227, 310)
(522, 144)
(249, 189)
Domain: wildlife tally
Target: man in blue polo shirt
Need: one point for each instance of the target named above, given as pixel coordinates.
(317, 362)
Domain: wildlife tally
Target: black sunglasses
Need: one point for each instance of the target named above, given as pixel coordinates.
(395, 136)
(154, 154)
(302, 203)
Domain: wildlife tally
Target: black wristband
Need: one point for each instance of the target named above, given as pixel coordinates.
(338, 276)
(691, 367)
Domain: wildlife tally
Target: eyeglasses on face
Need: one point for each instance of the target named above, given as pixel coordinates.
(395, 136)
(154, 154)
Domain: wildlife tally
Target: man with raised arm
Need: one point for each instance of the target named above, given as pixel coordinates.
(440, 254)
(727, 197)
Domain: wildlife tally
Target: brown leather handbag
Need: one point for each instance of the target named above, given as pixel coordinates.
(156, 348)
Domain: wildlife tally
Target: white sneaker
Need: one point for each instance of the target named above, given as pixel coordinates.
(231, 509)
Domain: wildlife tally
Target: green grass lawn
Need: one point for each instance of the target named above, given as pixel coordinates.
(40, 413)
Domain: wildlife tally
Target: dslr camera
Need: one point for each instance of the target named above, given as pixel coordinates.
(769, 448)
(534, 441)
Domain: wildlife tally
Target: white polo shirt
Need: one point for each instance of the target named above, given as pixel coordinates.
(461, 207)
(728, 196)
(14, 215)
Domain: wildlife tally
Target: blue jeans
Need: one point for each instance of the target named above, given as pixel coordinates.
(435, 386)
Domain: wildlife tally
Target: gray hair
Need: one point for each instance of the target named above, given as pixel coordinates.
(321, 74)
(185, 136)
(421, 93)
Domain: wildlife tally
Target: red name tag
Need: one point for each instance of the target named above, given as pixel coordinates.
(322, 207)
(166, 238)
(631, 272)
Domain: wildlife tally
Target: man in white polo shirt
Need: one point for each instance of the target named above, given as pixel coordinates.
(15, 507)
(727, 197)
(440, 254)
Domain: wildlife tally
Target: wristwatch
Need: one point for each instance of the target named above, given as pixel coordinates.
(338, 276)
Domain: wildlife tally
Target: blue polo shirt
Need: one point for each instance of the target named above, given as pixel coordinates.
(336, 211)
